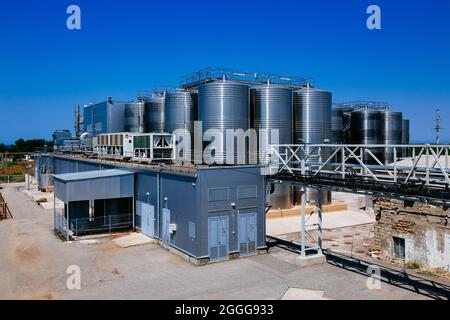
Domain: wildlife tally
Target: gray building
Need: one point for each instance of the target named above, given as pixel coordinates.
(207, 213)
(104, 117)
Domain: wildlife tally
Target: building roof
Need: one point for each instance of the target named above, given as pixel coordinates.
(67, 177)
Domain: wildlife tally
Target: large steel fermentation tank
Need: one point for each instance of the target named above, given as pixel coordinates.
(134, 117)
(181, 108)
(391, 133)
(223, 105)
(154, 113)
(337, 126)
(405, 137)
(366, 128)
(271, 109)
(312, 125)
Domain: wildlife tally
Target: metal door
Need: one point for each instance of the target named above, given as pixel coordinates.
(218, 238)
(165, 226)
(147, 218)
(247, 233)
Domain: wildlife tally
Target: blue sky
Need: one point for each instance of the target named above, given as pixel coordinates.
(123, 46)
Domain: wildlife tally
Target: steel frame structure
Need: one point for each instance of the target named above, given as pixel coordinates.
(354, 168)
(210, 74)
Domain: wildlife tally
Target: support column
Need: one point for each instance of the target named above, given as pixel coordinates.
(319, 221)
(303, 221)
(68, 220)
(303, 260)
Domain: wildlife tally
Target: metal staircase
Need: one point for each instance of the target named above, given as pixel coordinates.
(5, 213)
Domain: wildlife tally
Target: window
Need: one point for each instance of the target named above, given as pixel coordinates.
(399, 247)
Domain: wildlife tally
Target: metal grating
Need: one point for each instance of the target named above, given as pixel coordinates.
(210, 74)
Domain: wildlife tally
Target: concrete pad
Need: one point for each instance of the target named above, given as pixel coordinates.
(310, 260)
(303, 294)
(295, 211)
(49, 205)
(332, 220)
(134, 239)
(88, 241)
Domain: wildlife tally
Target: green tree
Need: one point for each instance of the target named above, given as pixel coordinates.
(24, 146)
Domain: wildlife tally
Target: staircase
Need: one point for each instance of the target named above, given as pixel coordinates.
(4, 210)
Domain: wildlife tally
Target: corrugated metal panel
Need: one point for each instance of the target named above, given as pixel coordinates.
(106, 184)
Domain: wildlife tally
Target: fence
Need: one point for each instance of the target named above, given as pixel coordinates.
(12, 178)
(95, 225)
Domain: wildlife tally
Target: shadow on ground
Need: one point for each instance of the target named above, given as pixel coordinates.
(401, 279)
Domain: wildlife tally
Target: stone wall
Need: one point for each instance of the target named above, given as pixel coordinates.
(425, 228)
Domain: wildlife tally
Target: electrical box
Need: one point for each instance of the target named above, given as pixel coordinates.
(172, 228)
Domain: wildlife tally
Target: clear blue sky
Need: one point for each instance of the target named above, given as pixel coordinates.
(45, 69)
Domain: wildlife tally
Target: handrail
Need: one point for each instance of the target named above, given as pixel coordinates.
(357, 165)
(4, 210)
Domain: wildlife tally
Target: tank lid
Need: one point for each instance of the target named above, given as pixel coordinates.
(310, 89)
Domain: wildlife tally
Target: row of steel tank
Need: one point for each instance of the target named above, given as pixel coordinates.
(300, 115)
(370, 126)
(161, 112)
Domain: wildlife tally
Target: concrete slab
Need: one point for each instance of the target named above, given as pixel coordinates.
(303, 294)
(310, 260)
(50, 205)
(332, 220)
(295, 211)
(134, 239)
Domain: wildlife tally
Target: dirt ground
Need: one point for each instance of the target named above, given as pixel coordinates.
(34, 264)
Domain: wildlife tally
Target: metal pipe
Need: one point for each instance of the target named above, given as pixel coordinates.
(303, 217)
(319, 217)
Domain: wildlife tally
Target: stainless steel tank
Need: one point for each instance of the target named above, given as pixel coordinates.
(405, 137)
(271, 108)
(134, 117)
(337, 126)
(154, 113)
(180, 113)
(365, 128)
(312, 124)
(223, 105)
(391, 133)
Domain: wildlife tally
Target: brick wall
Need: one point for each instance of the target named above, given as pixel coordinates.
(425, 228)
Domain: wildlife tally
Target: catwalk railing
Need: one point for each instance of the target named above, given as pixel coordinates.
(415, 172)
